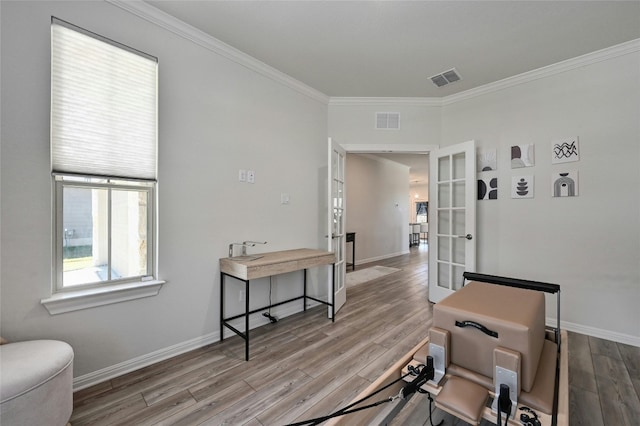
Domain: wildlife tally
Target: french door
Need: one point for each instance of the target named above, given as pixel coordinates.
(452, 219)
(336, 223)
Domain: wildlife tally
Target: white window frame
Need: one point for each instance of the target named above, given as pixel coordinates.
(82, 296)
(63, 181)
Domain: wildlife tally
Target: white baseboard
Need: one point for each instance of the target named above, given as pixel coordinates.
(134, 364)
(386, 256)
(597, 332)
(137, 363)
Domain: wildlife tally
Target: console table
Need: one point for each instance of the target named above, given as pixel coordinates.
(351, 238)
(247, 268)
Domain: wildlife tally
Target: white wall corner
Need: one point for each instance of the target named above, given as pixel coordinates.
(182, 29)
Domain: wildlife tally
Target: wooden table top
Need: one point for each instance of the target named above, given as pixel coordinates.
(274, 263)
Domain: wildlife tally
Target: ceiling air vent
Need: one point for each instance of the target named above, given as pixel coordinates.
(446, 78)
(388, 120)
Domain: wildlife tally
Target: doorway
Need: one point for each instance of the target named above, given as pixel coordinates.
(453, 225)
(381, 218)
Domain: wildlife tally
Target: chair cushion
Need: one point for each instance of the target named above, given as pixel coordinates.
(28, 365)
(463, 399)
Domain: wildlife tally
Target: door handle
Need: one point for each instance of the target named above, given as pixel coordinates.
(468, 236)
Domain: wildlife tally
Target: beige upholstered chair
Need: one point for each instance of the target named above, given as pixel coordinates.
(36, 383)
(415, 234)
(424, 229)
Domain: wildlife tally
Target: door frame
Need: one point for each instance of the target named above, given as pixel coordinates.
(357, 148)
(401, 149)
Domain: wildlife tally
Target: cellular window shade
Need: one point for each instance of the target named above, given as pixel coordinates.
(103, 106)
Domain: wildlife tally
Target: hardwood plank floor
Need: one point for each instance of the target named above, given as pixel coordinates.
(305, 366)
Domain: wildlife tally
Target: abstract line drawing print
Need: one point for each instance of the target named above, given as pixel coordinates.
(487, 160)
(565, 150)
(522, 156)
(522, 187)
(565, 184)
(488, 189)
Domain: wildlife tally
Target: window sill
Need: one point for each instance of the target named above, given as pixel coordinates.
(90, 298)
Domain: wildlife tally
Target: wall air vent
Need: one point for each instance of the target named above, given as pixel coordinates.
(388, 120)
(446, 77)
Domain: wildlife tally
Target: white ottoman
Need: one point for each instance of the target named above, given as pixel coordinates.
(36, 383)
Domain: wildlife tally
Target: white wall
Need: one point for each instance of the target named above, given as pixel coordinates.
(215, 117)
(589, 244)
(377, 206)
(353, 122)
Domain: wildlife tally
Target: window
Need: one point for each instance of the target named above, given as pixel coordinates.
(421, 211)
(104, 231)
(103, 156)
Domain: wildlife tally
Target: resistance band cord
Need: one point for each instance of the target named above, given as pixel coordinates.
(346, 410)
(413, 371)
(416, 371)
(506, 420)
(268, 314)
(431, 410)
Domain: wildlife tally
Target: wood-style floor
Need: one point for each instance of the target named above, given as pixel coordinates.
(305, 366)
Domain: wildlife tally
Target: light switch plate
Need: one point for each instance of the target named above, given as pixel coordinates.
(242, 175)
(251, 176)
(284, 198)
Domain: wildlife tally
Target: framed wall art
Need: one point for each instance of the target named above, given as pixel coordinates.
(522, 186)
(564, 184)
(522, 156)
(565, 150)
(488, 188)
(487, 160)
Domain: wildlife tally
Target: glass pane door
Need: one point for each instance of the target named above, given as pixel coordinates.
(337, 215)
(454, 250)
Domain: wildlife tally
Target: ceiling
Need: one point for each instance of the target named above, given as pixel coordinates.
(391, 48)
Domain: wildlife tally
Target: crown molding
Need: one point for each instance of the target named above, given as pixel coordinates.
(557, 68)
(363, 101)
(182, 29)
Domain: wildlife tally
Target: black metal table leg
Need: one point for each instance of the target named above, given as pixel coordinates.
(224, 322)
(221, 306)
(353, 254)
(246, 320)
(304, 298)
